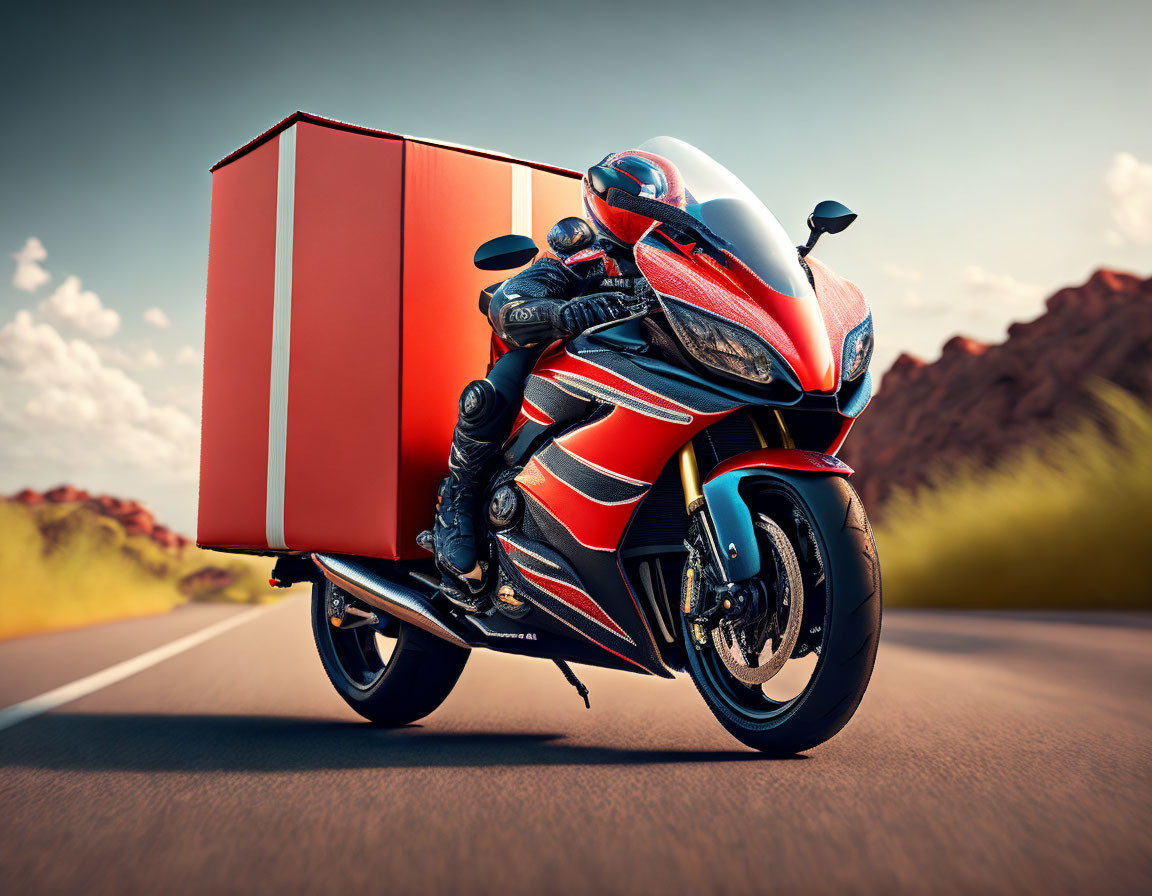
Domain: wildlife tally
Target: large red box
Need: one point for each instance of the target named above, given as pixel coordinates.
(341, 325)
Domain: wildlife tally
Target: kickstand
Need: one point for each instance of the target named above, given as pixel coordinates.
(574, 681)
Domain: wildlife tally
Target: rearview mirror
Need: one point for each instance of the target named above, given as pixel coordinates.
(829, 216)
(505, 253)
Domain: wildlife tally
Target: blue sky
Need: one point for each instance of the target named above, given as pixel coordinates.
(993, 151)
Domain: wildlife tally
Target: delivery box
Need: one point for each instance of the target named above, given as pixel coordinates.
(342, 324)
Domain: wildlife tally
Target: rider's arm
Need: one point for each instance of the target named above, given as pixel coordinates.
(523, 309)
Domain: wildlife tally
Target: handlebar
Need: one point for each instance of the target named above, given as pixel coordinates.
(640, 307)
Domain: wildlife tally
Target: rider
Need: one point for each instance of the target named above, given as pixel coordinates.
(589, 281)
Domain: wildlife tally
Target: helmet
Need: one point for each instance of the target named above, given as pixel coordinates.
(635, 172)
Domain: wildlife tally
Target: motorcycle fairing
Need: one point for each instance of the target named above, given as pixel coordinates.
(609, 426)
(807, 331)
(842, 308)
(540, 559)
(593, 475)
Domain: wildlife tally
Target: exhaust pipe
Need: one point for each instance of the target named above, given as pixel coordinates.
(400, 601)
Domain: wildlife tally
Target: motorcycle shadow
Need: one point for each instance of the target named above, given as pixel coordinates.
(191, 743)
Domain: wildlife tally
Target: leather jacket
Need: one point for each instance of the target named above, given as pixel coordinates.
(522, 310)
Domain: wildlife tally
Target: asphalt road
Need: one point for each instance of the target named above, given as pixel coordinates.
(993, 753)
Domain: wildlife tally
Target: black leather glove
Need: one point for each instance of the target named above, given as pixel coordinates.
(578, 315)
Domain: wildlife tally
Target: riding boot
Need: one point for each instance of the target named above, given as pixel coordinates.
(455, 535)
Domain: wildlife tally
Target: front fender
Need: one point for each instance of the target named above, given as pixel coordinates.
(731, 518)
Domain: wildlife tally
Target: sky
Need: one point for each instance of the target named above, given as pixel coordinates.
(993, 151)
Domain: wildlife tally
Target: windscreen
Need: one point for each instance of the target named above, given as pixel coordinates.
(719, 199)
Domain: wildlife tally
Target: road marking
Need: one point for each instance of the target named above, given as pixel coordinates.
(17, 713)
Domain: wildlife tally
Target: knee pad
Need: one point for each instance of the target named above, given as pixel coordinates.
(478, 404)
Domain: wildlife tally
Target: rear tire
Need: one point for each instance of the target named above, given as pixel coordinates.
(851, 629)
(417, 677)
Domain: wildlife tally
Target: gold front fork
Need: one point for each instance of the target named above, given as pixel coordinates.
(785, 436)
(690, 469)
(694, 501)
(690, 478)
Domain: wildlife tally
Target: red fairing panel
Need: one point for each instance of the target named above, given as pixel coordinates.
(842, 305)
(575, 597)
(631, 443)
(838, 441)
(795, 327)
(783, 459)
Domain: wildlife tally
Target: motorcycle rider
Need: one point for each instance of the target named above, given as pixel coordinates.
(591, 279)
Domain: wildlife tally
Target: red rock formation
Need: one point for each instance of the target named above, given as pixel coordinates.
(65, 494)
(137, 522)
(132, 515)
(206, 580)
(978, 402)
(165, 537)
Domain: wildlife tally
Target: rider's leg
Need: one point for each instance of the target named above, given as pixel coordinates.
(488, 408)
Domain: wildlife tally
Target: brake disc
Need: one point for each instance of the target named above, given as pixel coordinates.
(788, 570)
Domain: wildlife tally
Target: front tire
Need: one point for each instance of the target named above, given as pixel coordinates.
(851, 595)
(413, 679)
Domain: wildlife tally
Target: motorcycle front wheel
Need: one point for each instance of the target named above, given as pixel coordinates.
(818, 561)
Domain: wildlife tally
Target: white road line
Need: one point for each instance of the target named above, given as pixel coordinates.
(17, 713)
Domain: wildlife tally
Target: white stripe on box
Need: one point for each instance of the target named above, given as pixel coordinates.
(281, 340)
(522, 200)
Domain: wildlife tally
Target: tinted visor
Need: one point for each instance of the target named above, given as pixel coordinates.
(602, 178)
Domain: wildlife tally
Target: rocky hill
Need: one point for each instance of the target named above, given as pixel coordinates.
(978, 402)
(132, 515)
(70, 558)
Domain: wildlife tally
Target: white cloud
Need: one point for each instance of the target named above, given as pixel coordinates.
(29, 275)
(999, 287)
(157, 317)
(188, 355)
(145, 359)
(914, 301)
(1130, 182)
(67, 406)
(902, 272)
(114, 355)
(80, 308)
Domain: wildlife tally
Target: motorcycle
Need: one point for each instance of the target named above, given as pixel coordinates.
(669, 499)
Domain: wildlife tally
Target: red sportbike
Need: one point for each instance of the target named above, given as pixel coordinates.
(670, 499)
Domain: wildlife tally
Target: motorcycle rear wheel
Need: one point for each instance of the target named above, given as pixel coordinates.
(851, 596)
(408, 683)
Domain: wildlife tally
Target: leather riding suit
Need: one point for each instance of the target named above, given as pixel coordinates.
(556, 297)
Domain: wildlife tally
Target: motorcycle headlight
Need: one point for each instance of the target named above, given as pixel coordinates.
(724, 346)
(857, 350)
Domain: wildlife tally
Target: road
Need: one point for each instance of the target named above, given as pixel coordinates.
(993, 753)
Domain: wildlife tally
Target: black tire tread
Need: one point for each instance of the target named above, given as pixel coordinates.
(855, 595)
(419, 676)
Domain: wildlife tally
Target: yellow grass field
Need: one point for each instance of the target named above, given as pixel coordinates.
(1063, 525)
(63, 565)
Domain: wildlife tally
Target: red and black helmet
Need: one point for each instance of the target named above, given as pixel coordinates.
(635, 172)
